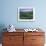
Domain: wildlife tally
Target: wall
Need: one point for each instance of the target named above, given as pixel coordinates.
(8, 13)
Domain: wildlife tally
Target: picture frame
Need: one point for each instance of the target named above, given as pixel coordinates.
(26, 14)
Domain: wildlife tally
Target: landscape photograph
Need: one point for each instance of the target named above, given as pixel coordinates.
(26, 13)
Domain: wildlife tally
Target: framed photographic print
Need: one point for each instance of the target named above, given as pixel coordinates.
(26, 14)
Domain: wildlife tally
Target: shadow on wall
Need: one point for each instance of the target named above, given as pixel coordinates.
(2, 26)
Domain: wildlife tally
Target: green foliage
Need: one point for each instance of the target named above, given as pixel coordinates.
(26, 15)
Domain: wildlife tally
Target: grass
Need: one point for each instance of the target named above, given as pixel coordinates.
(26, 15)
